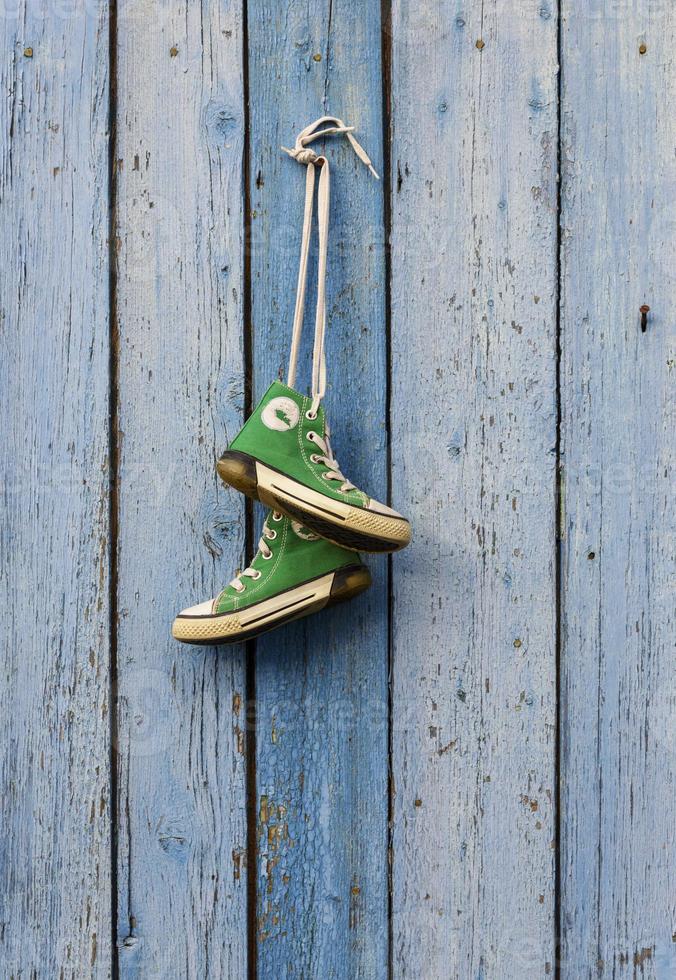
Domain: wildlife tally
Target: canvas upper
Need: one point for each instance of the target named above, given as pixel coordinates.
(277, 434)
(297, 556)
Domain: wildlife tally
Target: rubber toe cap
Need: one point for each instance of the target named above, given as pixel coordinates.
(384, 510)
(203, 609)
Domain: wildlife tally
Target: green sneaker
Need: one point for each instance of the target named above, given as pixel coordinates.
(283, 458)
(294, 573)
(283, 455)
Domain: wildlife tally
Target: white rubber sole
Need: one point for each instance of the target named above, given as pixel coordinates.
(302, 600)
(354, 528)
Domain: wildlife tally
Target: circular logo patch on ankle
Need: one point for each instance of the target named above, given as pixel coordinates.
(302, 532)
(280, 414)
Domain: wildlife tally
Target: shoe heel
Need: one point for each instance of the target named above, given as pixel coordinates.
(239, 471)
(349, 582)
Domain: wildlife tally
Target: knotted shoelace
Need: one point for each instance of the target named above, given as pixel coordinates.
(302, 154)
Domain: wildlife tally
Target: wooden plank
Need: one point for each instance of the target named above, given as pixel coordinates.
(473, 421)
(55, 910)
(322, 684)
(618, 437)
(182, 844)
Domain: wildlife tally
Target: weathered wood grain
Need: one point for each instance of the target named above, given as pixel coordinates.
(54, 536)
(473, 436)
(618, 440)
(182, 827)
(473, 421)
(322, 683)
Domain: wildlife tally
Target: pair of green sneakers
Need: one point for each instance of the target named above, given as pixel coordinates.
(307, 555)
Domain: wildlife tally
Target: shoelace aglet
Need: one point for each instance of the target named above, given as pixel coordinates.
(372, 169)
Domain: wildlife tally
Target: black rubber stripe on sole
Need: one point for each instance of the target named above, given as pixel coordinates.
(298, 585)
(290, 605)
(331, 530)
(336, 517)
(248, 634)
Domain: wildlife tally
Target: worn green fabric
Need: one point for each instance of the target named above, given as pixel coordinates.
(276, 434)
(297, 556)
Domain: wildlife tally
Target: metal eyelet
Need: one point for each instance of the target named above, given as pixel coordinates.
(309, 415)
(311, 436)
(326, 475)
(267, 557)
(272, 534)
(314, 458)
(257, 575)
(277, 517)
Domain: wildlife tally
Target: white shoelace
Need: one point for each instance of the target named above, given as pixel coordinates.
(269, 534)
(312, 160)
(328, 459)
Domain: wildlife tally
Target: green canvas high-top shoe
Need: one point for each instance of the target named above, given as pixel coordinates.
(283, 456)
(293, 574)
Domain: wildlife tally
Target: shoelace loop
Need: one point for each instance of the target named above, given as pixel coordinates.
(312, 160)
(311, 133)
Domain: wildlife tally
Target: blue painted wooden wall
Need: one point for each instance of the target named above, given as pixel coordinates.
(469, 773)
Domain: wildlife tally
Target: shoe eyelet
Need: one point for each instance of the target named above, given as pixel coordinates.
(243, 589)
(309, 415)
(267, 557)
(272, 534)
(257, 575)
(326, 476)
(277, 517)
(311, 436)
(314, 458)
